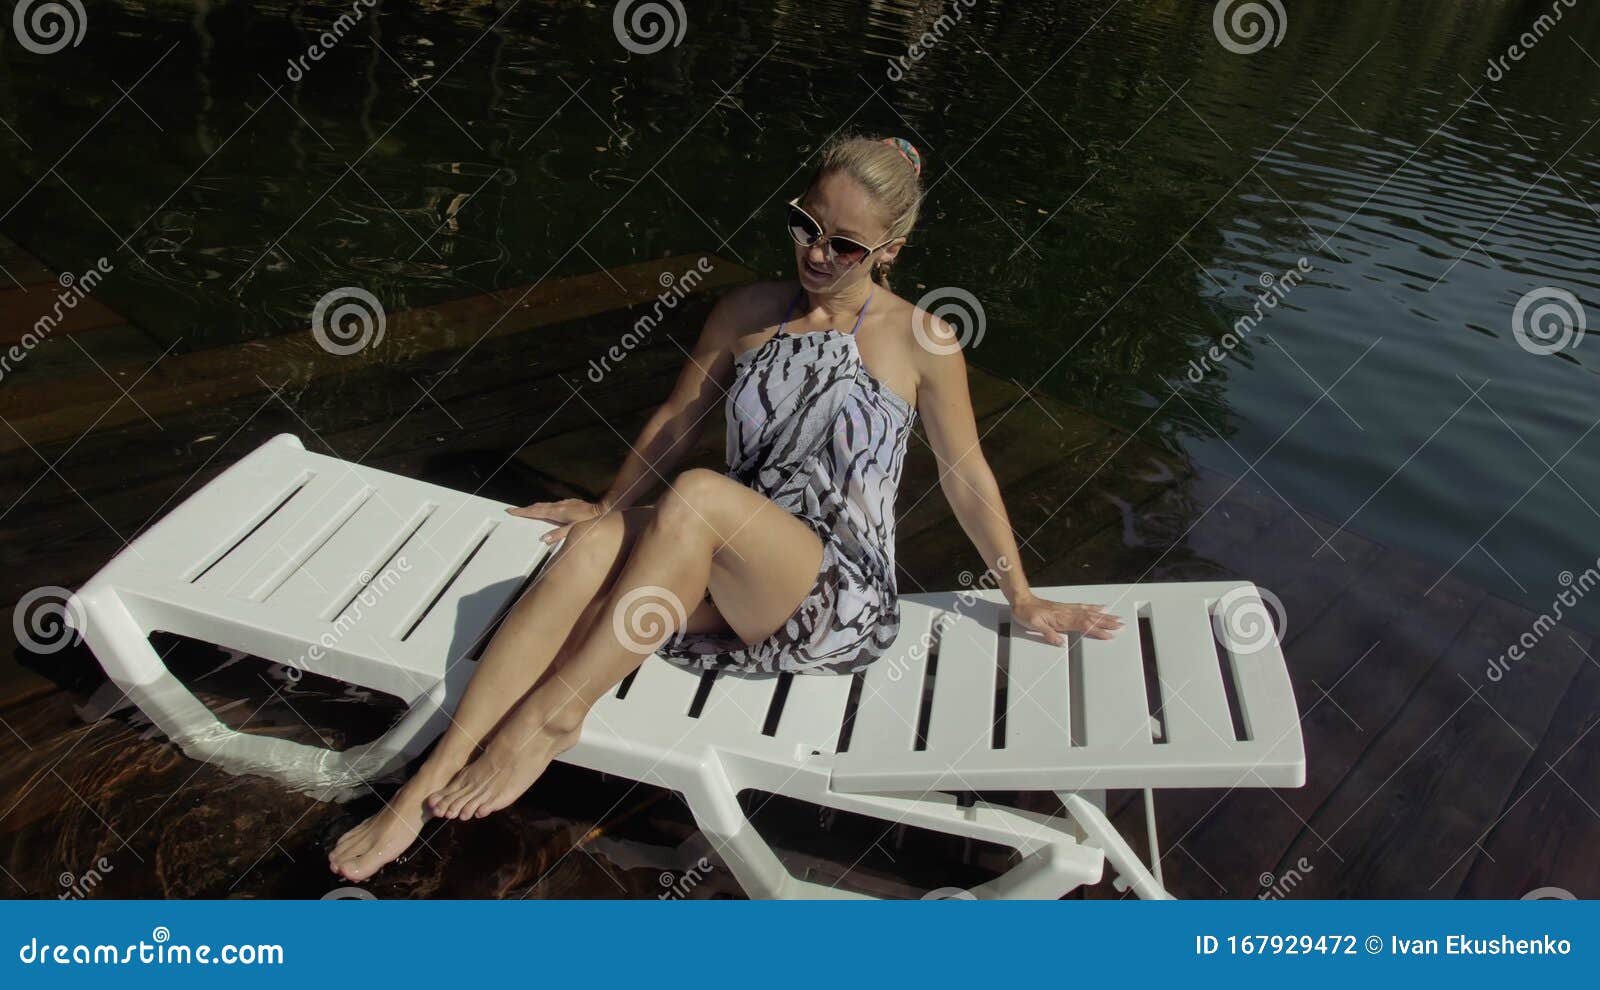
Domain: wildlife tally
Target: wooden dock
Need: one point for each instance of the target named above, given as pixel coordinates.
(1426, 778)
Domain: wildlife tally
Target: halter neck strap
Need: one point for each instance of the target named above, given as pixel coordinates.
(862, 315)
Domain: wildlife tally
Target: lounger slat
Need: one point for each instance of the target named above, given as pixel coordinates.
(290, 536)
(1038, 695)
(813, 711)
(354, 559)
(737, 706)
(963, 716)
(1194, 707)
(659, 698)
(425, 565)
(891, 692)
(456, 626)
(1266, 699)
(1116, 713)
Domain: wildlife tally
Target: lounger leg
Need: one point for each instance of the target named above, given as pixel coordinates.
(404, 742)
(123, 648)
(1100, 832)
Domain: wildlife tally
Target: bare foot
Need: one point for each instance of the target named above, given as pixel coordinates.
(378, 841)
(515, 757)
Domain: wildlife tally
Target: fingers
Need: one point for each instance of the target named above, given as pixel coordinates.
(556, 535)
(550, 511)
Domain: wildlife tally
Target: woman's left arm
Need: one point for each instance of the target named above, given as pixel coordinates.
(945, 405)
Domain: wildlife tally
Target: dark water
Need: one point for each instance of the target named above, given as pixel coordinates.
(1109, 179)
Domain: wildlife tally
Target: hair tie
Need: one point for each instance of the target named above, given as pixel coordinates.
(908, 151)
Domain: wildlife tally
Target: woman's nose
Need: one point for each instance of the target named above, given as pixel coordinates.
(816, 254)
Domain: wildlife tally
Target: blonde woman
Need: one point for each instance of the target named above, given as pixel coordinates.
(785, 562)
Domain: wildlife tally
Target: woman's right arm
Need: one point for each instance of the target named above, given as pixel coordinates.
(672, 430)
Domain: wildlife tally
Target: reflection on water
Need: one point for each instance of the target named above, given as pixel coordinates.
(1108, 178)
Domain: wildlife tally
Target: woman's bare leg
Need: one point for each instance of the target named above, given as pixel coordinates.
(522, 650)
(759, 562)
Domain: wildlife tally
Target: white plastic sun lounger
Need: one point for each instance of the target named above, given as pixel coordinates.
(393, 584)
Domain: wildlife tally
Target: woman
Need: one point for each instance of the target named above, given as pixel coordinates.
(784, 563)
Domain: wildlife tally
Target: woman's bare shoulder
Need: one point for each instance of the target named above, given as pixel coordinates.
(748, 310)
(749, 305)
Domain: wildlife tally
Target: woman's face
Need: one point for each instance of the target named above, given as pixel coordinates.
(843, 207)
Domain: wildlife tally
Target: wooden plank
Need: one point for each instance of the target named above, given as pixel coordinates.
(40, 313)
(1404, 821)
(1547, 834)
(1369, 651)
(27, 270)
(293, 360)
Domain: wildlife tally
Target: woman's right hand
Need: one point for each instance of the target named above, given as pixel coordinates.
(564, 514)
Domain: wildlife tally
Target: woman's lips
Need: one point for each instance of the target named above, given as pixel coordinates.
(820, 274)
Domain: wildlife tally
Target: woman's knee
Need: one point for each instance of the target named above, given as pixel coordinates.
(591, 547)
(691, 500)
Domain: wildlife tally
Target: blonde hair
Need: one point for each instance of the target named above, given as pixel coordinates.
(890, 169)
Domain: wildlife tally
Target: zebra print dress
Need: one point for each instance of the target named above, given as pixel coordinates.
(811, 428)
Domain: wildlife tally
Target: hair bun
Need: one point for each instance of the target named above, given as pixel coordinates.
(908, 151)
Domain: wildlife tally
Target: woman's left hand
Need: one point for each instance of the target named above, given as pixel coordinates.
(1053, 619)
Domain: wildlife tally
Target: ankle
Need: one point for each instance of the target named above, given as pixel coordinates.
(561, 719)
